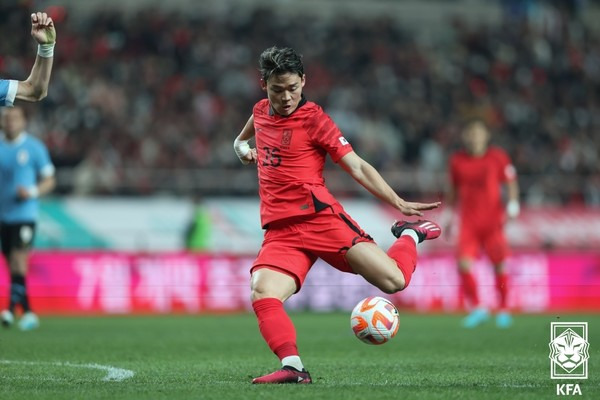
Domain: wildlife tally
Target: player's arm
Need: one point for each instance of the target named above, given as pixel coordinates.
(240, 144)
(35, 87)
(513, 207)
(371, 180)
(509, 177)
(45, 185)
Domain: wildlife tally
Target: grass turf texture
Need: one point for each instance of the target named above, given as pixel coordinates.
(214, 357)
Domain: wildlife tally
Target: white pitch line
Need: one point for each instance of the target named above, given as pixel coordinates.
(113, 374)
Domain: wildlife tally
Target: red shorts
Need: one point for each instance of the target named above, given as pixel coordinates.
(293, 245)
(472, 239)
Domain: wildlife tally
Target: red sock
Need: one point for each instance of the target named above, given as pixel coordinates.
(502, 287)
(404, 252)
(276, 327)
(469, 288)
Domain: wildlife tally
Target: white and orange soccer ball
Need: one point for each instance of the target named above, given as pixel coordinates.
(375, 320)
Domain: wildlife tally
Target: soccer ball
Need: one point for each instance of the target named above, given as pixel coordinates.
(375, 320)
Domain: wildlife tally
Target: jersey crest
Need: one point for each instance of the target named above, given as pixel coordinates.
(22, 157)
(286, 138)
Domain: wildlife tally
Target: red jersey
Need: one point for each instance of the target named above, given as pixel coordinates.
(291, 156)
(477, 181)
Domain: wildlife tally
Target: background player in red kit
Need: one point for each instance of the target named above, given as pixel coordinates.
(476, 178)
(303, 221)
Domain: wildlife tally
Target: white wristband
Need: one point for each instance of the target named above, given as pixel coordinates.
(242, 148)
(34, 192)
(513, 208)
(46, 50)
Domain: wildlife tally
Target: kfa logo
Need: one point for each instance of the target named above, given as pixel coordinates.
(568, 389)
(569, 350)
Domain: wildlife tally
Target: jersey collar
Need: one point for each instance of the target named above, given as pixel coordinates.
(300, 104)
(19, 140)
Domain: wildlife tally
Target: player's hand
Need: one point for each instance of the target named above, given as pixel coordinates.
(513, 209)
(250, 158)
(23, 193)
(42, 28)
(411, 208)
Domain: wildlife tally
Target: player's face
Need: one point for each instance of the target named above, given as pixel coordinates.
(13, 122)
(476, 137)
(284, 92)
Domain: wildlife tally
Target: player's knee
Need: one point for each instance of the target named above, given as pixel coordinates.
(258, 291)
(464, 265)
(392, 284)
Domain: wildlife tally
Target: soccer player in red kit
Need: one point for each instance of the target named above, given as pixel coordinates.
(302, 220)
(476, 178)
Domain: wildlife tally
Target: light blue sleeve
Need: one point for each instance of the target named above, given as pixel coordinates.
(8, 92)
(43, 164)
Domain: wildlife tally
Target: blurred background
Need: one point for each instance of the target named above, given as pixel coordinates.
(154, 213)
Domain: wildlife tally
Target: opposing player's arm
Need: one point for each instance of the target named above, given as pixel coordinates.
(241, 147)
(44, 186)
(35, 87)
(46, 181)
(371, 180)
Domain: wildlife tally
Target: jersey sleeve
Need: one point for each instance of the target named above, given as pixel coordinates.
(325, 134)
(8, 92)
(506, 170)
(43, 164)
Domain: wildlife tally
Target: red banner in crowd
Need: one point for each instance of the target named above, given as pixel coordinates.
(117, 283)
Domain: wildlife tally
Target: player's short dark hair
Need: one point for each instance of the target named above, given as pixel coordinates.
(279, 61)
(16, 107)
(469, 122)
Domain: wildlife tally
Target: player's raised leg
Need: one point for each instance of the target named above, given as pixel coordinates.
(392, 271)
(270, 288)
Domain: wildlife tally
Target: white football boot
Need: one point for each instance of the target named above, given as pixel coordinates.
(29, 321)
(7, 318)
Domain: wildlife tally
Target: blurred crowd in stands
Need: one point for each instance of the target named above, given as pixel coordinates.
(160, 91)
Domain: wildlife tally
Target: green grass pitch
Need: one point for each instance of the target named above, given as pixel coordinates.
(214, 357)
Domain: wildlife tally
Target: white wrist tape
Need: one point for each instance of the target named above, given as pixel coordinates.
(34, 192)
(513, 208)
(46, 50)
(242, 148)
